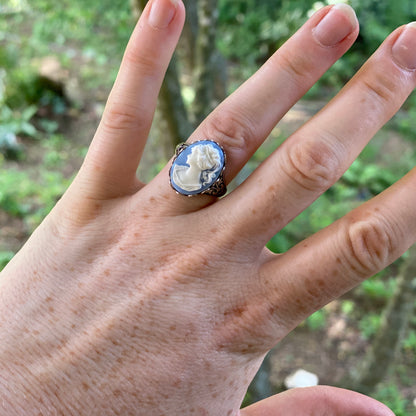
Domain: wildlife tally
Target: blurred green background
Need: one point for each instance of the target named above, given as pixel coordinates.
(58, 61)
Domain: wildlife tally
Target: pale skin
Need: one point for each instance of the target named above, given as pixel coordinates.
(132, 300)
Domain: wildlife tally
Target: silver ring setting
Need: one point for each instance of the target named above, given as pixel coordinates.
(198, 169)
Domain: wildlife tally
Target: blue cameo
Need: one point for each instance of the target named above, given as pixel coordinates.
(197, 167)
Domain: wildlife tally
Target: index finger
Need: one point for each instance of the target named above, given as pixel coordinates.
(110, 167)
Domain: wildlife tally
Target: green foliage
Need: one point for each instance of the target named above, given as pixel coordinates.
(337, 76)
(17, 122)
(377, 288)
(379, 17)
(13, 6)
(24, 197)
(405, 121)
(317, 320)
(252, 30)
(391, 396)
(5, 257)
(332, 205)
(46, 28)
(369, 324)
(13, 122)
(75, 21)
(247, 400)
(347, 307)
(30, 31)
(409, 344)
(370, 179)
(15, 189)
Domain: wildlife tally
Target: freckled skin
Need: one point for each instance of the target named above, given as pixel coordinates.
(130, 299)
(114, 328)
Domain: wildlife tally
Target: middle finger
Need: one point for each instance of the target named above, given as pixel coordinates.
(244, 120)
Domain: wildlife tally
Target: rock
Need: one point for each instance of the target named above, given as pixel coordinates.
(337, 329)
(51, 75)
(51, 68)
(301, 378)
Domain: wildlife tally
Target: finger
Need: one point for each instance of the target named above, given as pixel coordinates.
(315, 156)
(110, 167)
(243, 121)
(320, 400)
(336, 259)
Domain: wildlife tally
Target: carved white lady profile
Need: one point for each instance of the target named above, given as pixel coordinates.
(202, 167)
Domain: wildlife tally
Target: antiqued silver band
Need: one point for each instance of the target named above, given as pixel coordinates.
(198, 169)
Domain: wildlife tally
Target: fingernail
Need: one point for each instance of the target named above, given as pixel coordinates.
(404, 49)
(338, 23)
(162, 13)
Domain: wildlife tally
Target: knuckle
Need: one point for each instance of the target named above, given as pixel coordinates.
(232, 130)
(312, 166)
(370, 242)
(143, 63)
(122, 117)
(297, 66)
(381, 87)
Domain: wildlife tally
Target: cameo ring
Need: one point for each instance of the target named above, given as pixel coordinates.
(198, 168)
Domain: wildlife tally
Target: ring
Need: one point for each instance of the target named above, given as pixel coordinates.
(198, 168)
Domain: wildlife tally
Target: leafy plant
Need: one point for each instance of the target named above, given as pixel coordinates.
(378, 288)
(252, 30)
(18, 122)
(15, 189)
(347, 307)
(409, 344)
(369, 324)
(317, 320)
(369, 178)
(13, 123)
(405, 120)
(22, 196)
(5, 257)
(391, 396)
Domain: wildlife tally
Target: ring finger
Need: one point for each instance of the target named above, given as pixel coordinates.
(315, 156)
(244, 120)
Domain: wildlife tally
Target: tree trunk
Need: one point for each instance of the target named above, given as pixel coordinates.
(187, 44)
(137, 7)
(172, 107)
(390, 334)
(204, 59)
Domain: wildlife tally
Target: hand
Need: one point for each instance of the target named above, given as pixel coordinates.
(131, 299)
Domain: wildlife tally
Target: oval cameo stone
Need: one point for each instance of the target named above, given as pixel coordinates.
(197, 167)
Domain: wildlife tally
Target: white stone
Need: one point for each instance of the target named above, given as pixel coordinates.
(301, 378)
